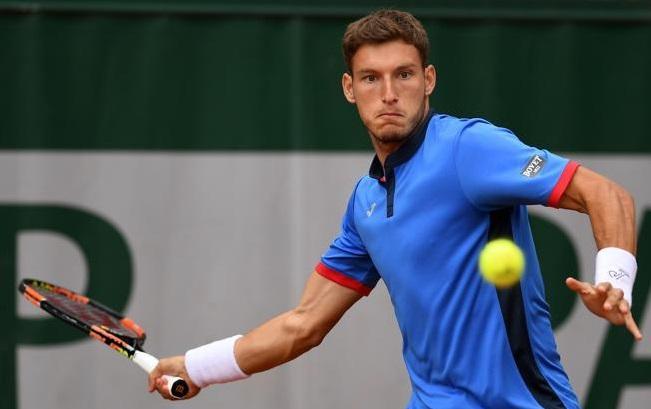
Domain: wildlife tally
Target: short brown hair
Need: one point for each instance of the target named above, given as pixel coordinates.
(382, 26)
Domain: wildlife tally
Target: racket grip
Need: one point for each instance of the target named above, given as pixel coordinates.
(176, 386)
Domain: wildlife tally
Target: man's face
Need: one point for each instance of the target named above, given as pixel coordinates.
(390, 88)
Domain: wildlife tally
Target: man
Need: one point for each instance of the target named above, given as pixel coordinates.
(438, 189)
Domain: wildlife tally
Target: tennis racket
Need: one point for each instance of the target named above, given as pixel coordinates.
(99, 322)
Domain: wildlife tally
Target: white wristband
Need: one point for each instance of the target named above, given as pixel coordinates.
(617, 267)
(214, 363)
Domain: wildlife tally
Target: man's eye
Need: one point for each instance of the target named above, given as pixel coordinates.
(405, 75)
(369, 78)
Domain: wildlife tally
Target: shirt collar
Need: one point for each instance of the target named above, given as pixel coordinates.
(404, 153)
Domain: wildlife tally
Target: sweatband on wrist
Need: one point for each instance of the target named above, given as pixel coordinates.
(214, 363)
(617, 267)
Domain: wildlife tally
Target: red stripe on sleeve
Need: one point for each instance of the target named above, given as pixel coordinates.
(562, 184)
(342, 279)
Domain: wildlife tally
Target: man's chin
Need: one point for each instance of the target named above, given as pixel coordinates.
(391, 137)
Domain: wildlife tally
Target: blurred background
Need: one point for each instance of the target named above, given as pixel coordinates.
(187, 162)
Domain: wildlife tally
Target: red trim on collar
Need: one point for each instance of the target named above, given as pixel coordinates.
(562, 184)
(342, 279)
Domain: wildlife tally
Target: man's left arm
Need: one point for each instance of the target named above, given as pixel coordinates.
(612, 215)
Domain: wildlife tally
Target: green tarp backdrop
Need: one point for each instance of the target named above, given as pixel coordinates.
(224, 75)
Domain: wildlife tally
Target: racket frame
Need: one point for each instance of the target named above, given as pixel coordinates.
(129, 347)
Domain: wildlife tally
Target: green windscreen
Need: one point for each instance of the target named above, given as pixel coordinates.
(227, 75)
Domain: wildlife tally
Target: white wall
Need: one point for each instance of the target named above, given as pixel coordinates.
(221, 242)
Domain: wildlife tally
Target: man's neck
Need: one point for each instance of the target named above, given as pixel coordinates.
(383, 149)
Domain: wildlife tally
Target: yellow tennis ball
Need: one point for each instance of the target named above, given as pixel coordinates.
(501, 263)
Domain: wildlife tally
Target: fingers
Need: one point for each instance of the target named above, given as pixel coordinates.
(151, 380)
(611, 297)
(173, 366)
(607, 302)
(157, 382)
(579, 287)
(632, 327)
(614, 297)
(161, 387)
(603, 288)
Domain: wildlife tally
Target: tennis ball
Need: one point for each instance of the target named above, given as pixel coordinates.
(501, 263)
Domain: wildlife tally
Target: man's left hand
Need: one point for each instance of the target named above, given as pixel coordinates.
(607, 302)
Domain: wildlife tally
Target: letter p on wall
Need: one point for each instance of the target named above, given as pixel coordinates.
(109, 265)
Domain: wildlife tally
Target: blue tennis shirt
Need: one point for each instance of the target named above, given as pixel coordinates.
(419, 224)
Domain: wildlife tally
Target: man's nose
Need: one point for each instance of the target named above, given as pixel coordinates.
(389, 94)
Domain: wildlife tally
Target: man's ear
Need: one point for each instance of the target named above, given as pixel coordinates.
(430, 79)
(347, 86)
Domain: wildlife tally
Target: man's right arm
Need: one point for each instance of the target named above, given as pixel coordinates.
(280, 339)
(295, 332)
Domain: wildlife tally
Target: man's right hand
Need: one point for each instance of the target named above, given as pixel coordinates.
(174, 366)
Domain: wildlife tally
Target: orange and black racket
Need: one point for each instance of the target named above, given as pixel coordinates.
(100, 322)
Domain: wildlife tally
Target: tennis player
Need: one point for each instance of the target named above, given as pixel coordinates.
(438, 189)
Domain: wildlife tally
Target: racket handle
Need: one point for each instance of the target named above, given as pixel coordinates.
(176, 386)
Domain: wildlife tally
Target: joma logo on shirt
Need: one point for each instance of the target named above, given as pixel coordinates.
(533, 167)
(369, 212)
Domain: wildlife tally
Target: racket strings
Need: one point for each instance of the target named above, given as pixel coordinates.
(88, 313)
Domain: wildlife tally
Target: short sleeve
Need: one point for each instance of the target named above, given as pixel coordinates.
(346, 261)
(497, 170)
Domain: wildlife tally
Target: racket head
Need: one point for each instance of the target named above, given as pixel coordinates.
(93, 318)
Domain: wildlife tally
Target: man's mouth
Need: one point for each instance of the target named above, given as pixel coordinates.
(390, 114)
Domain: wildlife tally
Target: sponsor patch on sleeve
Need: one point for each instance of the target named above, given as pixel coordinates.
(534, 166)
